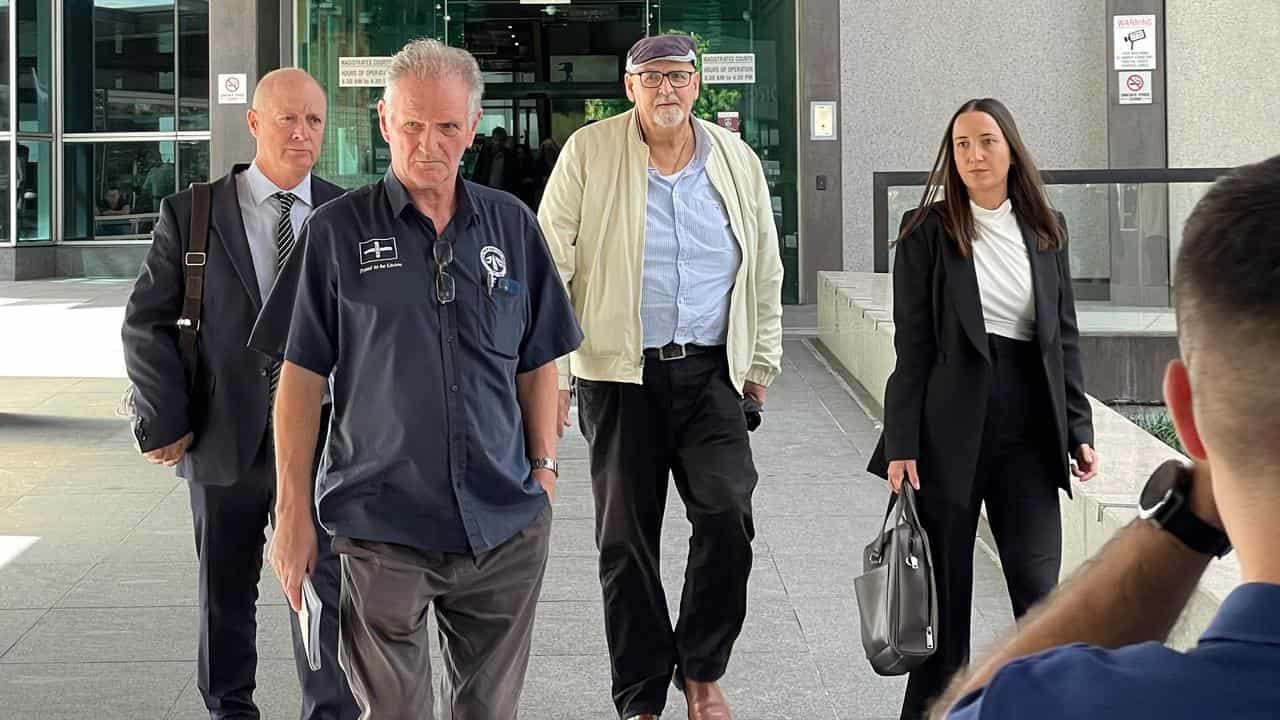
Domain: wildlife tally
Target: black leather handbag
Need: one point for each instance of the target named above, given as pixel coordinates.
(897, 596)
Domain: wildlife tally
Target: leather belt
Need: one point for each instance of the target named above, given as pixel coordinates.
(676, 351)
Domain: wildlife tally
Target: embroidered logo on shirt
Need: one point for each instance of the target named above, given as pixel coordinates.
(378, 250)
(494, 261)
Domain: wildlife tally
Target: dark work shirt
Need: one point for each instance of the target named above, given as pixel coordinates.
(1232, 673)
(427, 444)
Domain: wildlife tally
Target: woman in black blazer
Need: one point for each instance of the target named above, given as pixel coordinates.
(987, 398)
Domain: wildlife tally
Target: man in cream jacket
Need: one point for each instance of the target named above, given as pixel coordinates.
(663, 233)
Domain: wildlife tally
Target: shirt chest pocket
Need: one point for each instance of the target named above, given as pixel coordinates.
(502, 316)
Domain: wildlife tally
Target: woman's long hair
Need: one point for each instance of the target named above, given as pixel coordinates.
(1026, 189)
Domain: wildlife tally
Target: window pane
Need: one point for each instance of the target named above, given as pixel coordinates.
(35, 194)
(131, 84)
(4, 84)
(354, 152)
(193, 65)
(4, 194)
(35, 65)
(193, 159)
(114, 189)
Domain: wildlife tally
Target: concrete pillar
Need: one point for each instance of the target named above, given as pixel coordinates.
(1137, 138)
(819, 180)
(244, 37)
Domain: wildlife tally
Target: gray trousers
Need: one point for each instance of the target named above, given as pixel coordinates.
(484, 608)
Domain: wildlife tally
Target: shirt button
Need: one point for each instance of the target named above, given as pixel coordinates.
(263, 372)
(454, 388)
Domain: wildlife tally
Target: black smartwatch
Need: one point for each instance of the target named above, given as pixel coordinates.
(1164, 503)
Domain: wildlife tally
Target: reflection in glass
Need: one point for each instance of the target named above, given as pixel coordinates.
(354, 152)
(193, 161)
(113, 190)
(32, 176)
(35, 65)
(4, 194)
(130, 85)
(4, 86)
(193, 65)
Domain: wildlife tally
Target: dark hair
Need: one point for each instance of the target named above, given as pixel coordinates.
(1228, 270)
(1026, 189)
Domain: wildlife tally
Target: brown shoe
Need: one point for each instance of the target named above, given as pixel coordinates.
(706, 702)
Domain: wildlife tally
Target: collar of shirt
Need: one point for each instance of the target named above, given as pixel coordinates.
(399, 198)
(1251, 613)
(261, 187)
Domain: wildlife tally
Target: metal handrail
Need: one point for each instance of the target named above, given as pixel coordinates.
(882, 181)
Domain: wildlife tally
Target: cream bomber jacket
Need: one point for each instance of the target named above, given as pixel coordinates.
(593, 215)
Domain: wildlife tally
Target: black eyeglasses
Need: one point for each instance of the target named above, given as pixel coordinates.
(653, 79)
(446, 291)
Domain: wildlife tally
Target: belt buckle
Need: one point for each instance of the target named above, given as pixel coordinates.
(677, 352)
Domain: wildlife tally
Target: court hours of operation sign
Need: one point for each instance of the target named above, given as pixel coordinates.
(729, 68)
(363, 71)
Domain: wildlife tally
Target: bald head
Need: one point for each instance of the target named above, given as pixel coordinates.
(287, 119)
(285, 81)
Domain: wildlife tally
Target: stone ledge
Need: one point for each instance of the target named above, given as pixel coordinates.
(855, 324)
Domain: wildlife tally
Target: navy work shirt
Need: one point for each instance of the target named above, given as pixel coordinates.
(1234, 672)
(426, 446)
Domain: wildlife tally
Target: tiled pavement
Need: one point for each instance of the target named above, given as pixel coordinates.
(97, 615)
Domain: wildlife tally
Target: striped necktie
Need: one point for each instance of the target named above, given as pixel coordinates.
(284, 245)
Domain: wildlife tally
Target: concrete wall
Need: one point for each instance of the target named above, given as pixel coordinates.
(907, 65)
(1224, 81)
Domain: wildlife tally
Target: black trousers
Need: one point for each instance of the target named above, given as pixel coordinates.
(230, 524)
(1016, 478)
(686, 421)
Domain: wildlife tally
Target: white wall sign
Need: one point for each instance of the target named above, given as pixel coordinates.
(363, 71)
(729, 69)
(1135, 87)
(1134, 42)
(822, 120)
(233, 88)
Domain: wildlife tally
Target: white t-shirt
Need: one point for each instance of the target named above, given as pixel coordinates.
(1003, 266)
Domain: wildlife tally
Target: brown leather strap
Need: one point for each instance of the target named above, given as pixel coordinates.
(193, 263)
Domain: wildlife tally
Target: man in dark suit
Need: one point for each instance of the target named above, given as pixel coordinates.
(215, 429)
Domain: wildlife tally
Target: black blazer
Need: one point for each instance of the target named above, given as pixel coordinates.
(227, 409)
(935, 400)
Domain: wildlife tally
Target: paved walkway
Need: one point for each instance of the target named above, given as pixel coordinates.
(97, 570)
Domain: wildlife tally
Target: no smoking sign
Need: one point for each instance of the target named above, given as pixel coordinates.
(1135, 88)
(233, 88)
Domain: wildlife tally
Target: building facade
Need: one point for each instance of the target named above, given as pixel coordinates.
(108, 105)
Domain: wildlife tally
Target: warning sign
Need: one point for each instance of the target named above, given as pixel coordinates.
(363, 71)
(1134, 42)
(233, 88)
(729, 68)
(1135, 88)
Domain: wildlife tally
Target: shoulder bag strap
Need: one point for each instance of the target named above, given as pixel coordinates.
(193, 262)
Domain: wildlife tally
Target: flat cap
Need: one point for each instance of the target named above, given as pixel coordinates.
(677, 48)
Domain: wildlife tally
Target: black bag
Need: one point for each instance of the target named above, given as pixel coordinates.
(188, 323)
(897, 596)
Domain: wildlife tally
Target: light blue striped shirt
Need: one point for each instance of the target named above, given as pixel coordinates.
(690, 256)
(261, 211)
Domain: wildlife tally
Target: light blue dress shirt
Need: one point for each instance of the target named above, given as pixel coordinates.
(691, 256)
(261, 212)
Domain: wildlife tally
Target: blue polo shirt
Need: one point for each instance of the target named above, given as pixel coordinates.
(426, 445)
(1234, 672)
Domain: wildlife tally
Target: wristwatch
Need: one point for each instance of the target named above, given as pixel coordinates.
(545, 463)
(1164, 503)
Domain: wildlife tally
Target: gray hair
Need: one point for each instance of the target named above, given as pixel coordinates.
(427, 59)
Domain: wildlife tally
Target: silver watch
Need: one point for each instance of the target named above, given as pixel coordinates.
(545, 463)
